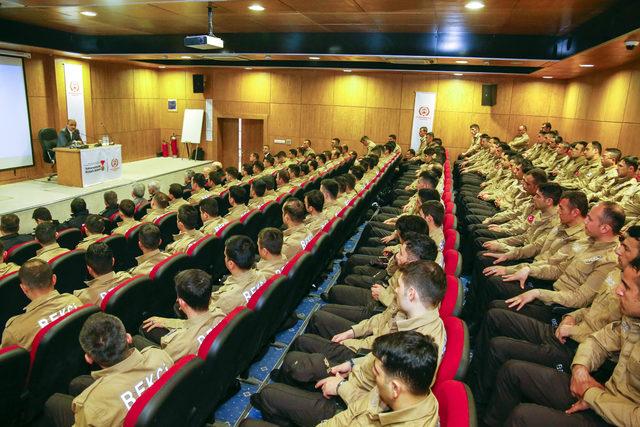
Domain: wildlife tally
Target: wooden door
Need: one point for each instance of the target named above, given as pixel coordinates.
(228, 141)
(252, 134)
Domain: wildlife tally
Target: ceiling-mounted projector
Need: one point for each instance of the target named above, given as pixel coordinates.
(204, 42)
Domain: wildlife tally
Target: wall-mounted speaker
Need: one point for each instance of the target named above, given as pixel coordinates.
(198, 83)
(489, 94)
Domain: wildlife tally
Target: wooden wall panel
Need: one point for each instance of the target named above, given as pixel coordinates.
(286, 87)
(284, 120)
(608, 96)
(171, 84)
(530, 98)
(255, 86)
(415, 82)
(632, 106)
(384, 91)
(459, 95)
(503, 101)
(225, 85)
(350, 90)
(317, 87)
(315, 121)
(348, 123)
(404, 131)
(34, 70)
(380, 122)
(111, 80)
(630, 139)
(145, 83)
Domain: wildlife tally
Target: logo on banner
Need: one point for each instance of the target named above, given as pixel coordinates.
(74, 87)
(424, 111)
(115, 163)
(102, 164)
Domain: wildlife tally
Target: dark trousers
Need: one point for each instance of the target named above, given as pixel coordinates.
(351, 295)
(352, 313)
(547, 392)
(57, 409)
(507, 335)
(286, 405)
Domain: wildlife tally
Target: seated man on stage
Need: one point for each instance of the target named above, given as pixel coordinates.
(69, 134)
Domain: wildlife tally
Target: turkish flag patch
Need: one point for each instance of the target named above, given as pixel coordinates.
(530, 218)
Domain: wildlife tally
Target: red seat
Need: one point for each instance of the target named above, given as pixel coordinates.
(22, 252)
(129, 301)
(168, 226)
(232, 228)
(450, 208)
(169, 401)
(69, 238)
(252, 222)
(12, 299)
(268, 303)
(118, 245)
(132, 241)
(272, 214)
(56, 358)
(203, 251)
(453, 298)
(455, 360)
(14, 368)
(141, 210)
(162, 285)
(451, 239)
(456, 406)
(225, 358)
(70, 269)
(452, 262)
(449, 222)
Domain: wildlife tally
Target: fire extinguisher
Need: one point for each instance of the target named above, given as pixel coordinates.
(174, 145)
(165, 149)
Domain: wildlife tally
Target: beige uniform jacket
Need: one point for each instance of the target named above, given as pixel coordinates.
(153, 214)
(631, 205)
(198, 196)
(187, 339)
(236, 291)
(89, 240)
(314, 223)
(331, 209)
(518, 224)
(619, 402)
(271, 266)
(182, 241)
(519, 142)
(582, 278)
(116, 388)
(370, 146)
(390, 320)
(125, 225)
(23, 328)
(47, 253)
(362, 379)
(147, 261)
(370, 411)
(557, 242)
(212, 225)
(98, 287)
(175, 204)
(236, 212)
(295, 240)
(604, 309)
(604, 180)
(618, 190)
(8, 268)
(537, 227)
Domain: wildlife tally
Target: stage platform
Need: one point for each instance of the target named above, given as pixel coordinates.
(22, 197)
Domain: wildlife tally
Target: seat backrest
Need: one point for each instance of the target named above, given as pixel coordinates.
(162, 285)
(456, 354)
(141, 210)
(451, 239)
(12, 299)
(70, 269)
(252, 221)
(452, 302)
(22, 252)
(14, 367)
(456, 406)
(452, 262)
(118, 245)
(132, 241)
(268, 302)
(129, 301)
(168, 226)
(449, 221)
(169, 401)
(224, 356)
(202, 252)
(272, 214)
(69, 238)
(56, 356)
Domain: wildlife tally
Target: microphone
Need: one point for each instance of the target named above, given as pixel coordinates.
(106, 131)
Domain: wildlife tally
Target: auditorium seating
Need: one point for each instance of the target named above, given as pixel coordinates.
(456, 406)
(118, 245)
(141, 211)
(455, 360)
(168, 401)
(202, 253)
(132, 241)
(56, 358)
(252, 222)
(129, 301)
(453, 298)
(69, 238)
(162, 285)
(71, 270)
(22, 252)
(168, 226)
(12, 299)
(14, 368)
(269, 303)
(452, 262)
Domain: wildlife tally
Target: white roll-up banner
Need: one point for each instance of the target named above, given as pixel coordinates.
(75, 96)
(424, 108)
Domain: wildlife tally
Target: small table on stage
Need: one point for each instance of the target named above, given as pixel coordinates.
(88, 166)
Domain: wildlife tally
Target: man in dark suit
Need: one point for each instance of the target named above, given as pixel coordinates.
(9, 227)
(79, 214)
(69, 134)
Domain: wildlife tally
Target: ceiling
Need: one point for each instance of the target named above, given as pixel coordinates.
(550, 17)
(536, 37)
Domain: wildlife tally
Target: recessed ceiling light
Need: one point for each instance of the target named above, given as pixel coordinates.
(586, 65)
(256, 8)
(185, 57)
(347, 71)
(248, 68)
(162, 66)
(547, 77)
(314, 58)
(85, 57)
(474, 5)
(458, 74)
(462, 62)
(88, 13)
